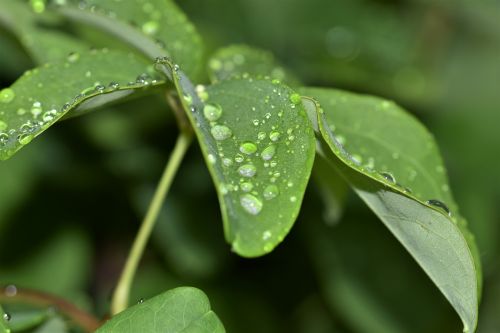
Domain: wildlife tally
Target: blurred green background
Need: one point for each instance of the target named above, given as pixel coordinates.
(71, 201)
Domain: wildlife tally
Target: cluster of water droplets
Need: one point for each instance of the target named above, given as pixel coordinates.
(368, 166)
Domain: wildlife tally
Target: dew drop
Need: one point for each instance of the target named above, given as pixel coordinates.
(114, 85)
(150, 27)
(212, 159)
(140, 301)
(261, 135)
(248, 148)
(221, 132)
(389, 177)
(4, 138)
(73, 57)
(293, 198)
(227, 161)
(246, 186)
(247, 170)
(212, 112)
(268, 152)
(251, 204)
(49, 115)
(36, 109)
(274, 136)
(24, 139)
(6, 317)
(271, 192)
(266, 235)
(10, 290)
(3, 125)
(439, 204)
(295, 98)
(7, 95)
(239, 158)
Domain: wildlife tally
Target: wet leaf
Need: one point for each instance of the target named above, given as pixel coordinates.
(156, 27)
(394, 165)
(185, 310)
(240, 60)
(259, 148)
(44, 95)
(43, 42)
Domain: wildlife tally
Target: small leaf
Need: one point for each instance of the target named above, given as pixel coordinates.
(179, 310)
(392, 162)
(239, 60)
(156, 27)
(259, 147)
(44, 43)
(44, 95)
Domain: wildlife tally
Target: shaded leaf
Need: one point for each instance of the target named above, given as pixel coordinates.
(44, 95)
(179, 310)
(156, 27)
(393, 164)
(259, 148)
(43, 42)
(239, 60)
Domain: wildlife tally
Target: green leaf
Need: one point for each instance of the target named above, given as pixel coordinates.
(25, 320)
(259, 148)
(44, 95)
(184, 309)
(239, 60)
(43, 42)
(156, 27)
(4, 328)
(53, 325)
(394, 165)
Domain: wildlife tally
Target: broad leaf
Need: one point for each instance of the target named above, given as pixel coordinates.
(185, 310)
(259, 147)
(44, 95)
(156, 27)
(239, 60)
(43, 42)
(4, 318)
(393, 163)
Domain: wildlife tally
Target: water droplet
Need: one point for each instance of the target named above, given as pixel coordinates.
(4, 138)
(389, 177)
(274, 136)
(99, 88)
(49, 115)
(221, 132)
(3, 125)
(246, 186)
(24, 139)
(150, 27)
(268, 152)
(140, 301)
(10, 290)
(212, 112)
(21, 111)
(7, 95)
(211, 159)
(38, 6)
(114, 85)
(36, 109)
(248, 148)
(6, 317)
(266, 235)
(73, 57)
(256, 122)
(251, 204)
(247, 170)
(293, 198)
(295, 98)
(239, 158)
(439, 204)
(227, 162)
(271, 192)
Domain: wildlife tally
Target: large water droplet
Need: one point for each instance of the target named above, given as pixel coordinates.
(247, 170)
(439, 204)
(251, 204)
(7, 95)
(271, 192)
(268, 152)
(248, 148)
(221, 132)
(212, 112)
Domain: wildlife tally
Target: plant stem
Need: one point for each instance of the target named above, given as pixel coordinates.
(122, 291)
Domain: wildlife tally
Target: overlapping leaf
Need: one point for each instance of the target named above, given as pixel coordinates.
(259, 148)
(239, 60)
(44, 95)
(156, 27)
(185, 310)
(392, 162)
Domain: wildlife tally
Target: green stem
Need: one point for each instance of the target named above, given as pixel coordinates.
(122, 291)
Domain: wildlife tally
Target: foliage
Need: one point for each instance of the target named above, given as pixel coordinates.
(263, 136)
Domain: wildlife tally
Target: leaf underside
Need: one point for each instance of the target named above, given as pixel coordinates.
(44, 95)
(393, 164)
(184, 309)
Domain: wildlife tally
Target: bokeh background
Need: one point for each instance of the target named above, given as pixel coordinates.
(71, 201)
